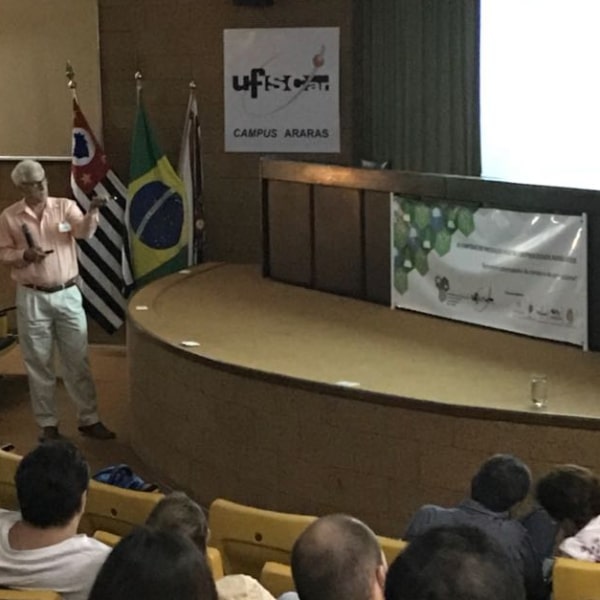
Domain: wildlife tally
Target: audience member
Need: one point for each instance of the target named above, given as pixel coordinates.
(178, 512)
(501, 482)
(453, 563)
(151, 564)
(338, 556)
(543, 531)
(571, 496)
(40, 547)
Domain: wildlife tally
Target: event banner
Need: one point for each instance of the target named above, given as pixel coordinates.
(522, 272)
(282, 90)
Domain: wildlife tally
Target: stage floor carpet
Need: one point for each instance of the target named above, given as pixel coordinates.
(241, 319)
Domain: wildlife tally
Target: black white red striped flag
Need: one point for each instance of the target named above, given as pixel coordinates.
(104, 264)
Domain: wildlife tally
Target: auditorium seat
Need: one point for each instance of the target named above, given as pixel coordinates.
(29, 594)
(249, 537)
(116, 510)
(110, 539)
(575, 580)
(215, 562)
(212, 554)
(391, 547)
(277, 578)
(8, 491)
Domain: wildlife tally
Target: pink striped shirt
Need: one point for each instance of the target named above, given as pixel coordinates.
(61, 222)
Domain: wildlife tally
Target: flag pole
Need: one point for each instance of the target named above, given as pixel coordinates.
(192, 199)
(72, 85)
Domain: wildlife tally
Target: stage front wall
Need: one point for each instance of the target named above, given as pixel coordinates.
(220, 431)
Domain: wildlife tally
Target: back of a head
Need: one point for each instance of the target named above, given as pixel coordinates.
(337, 556)
(178, 512)
(569, 492)
(152, 564)
(501, 482)
(50, 483)
(453, 563)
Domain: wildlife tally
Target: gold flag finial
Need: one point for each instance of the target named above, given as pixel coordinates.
(71, 76)
(138, 85)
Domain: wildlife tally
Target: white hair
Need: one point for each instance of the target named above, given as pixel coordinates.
(27, 170)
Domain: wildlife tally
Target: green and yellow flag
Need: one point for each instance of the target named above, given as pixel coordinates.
(157, 214)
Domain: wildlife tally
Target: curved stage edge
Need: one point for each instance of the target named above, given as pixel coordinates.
(303, 401)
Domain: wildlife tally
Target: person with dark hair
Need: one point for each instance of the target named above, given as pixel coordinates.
(178, 512)
(338, 556)
(570, 494)
(153, 564)
(453, 563)
(40, 546)
(501, 482)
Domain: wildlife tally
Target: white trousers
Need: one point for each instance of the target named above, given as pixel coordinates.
(44, 320)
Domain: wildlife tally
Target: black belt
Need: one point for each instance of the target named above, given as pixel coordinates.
(53, 288)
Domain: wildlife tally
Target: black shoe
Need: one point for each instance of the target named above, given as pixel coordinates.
(50, 434)
(98, 431)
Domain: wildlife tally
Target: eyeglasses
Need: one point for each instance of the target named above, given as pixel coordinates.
(35, 184)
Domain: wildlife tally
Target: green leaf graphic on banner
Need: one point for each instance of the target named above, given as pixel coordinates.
(408, 207)
(401, 281)
(419, 228)
(422, 216)
(443, 241)
(465, 222)
(427, 240)
(400, 233)
(421, 263)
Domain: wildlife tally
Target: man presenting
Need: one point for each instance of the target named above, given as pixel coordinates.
(37, 240)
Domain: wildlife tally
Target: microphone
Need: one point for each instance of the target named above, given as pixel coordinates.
(28, 236)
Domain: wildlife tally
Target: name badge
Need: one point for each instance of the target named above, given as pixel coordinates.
(64, 226)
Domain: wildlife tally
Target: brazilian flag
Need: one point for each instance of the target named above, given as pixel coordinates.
(157, 213)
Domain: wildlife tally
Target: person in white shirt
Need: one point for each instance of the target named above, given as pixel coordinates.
(571, 496)
(40, 546)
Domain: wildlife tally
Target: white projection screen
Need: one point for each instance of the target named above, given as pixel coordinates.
(37, 38)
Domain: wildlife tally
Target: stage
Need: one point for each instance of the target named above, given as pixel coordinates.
(300, 400)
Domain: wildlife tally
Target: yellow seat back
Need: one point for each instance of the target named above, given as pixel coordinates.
(29, 594)
(116, 510)
(8, 491)
(215, 562)
(575, 580)
(391, 547)
(110, 539)
(277, 578)
(249, 537)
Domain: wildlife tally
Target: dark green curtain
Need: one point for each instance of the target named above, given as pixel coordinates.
(417, 97)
